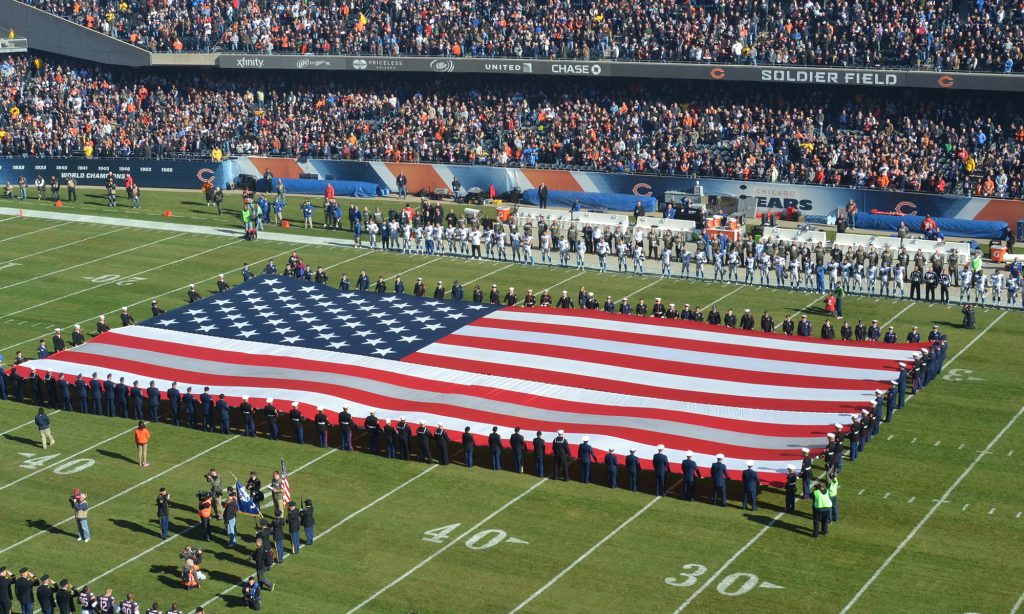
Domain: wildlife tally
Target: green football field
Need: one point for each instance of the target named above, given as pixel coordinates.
(931, 514)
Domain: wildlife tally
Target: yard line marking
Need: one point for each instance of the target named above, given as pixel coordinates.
(451, 543)
(32, 421)
(491, 273)
(961, 447)
(123, 492)
(914, 440)
(34, 232)
(722, 298)
(1010, 453)
(191, 526)
(63, 245)
(861, 491)
(1020, 600)
(949, 491)
(898, 314)
(912, 499)
(991, 511)
(964, 508)
(937, 443)
(65, 459)
(886, 496)
(585, 555)
(93, 261)
(418, 266)
(889, 437)
(721, 569)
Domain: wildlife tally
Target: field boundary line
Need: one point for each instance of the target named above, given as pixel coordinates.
(25, 234)
(123, 492)
(93, 261)
(927, 516)
(444, 548)
(585, 555)
(191, 526)
(65, 459)
(343, 520)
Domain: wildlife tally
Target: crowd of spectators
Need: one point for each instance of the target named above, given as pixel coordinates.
(951, 142)
(976, 35)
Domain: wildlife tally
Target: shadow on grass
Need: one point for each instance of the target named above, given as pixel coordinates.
(135, 527)
(25, 440)
(117, 456)
(42, 525)
(781, 523)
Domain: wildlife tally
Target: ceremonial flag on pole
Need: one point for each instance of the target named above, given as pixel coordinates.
(286, 491)
(624, 381)
(246, 505)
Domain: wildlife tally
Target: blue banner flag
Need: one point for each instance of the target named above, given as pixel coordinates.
(245, 503)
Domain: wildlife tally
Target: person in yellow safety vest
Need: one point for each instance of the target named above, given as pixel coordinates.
(833, 494)
(822, 509)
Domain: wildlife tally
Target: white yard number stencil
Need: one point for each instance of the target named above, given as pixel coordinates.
(481, 540)
(34, 461)
(117, 279)
(732, 585)
(689, 575)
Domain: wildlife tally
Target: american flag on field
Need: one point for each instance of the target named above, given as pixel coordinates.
(623, 380)
(286, 489)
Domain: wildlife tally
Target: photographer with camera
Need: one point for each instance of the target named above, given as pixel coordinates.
(205, 511)
(81, 509)
(251, 593)
(216, 489)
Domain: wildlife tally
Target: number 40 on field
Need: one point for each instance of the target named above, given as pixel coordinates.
(481, 540)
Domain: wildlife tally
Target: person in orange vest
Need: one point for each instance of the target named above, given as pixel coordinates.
(142, 437)
(205, 511)
(830, 304)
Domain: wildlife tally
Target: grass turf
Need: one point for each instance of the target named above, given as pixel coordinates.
(377, 511)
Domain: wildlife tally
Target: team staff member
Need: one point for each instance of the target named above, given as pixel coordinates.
(822, 505)
(142, 437)
(43, 422)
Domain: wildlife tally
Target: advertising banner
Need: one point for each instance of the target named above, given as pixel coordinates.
(185, 174)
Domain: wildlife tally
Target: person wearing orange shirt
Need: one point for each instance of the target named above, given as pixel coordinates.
(142, 437)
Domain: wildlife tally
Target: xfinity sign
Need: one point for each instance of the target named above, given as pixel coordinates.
(249, 63)
(591, 70)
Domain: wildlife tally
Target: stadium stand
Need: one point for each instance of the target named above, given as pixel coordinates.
(948, 35)
(952, 143)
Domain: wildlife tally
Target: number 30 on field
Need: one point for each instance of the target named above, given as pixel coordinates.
(732, 585)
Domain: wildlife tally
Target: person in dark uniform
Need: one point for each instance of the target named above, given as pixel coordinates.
(586, 456)
(560, 448)
(803, 328)
(767, 322)
(154, 306)
(494, 446)
(538, 453)
(65, 598)
(494, 296)
(790, 489)
(404, 434)
(52, 392)
(372, 426)
(308, 520)
(660, 471)
(58, 341)
(121, 397)
(77, 337)
(624, 307)
(611, 467)
(381, 286)
(270, 413)
(320, 419)
(913, 336)
(188, 401)
(691, 473)
(719, 479)
(468, 446)
(458, 292)
(222, 285)
(730, 319)
(109, 397)
(277, 526)
(419, 288)
(478, 295)
(136, 395)
(153, 395)
(747, 320)
(860, 332)
(82, 392)
(891, 400)
(224, 410)
(96, 394)
(298, 423)
(441, 440)
(890, 335)
(345, 426)
(423, 440)
(517, 443)
(174, 402)
(855, 437)
(45, 595)
(389, 438)
(23, 590)
(846, 331)
(294, 520)
(439, 290)
(101, 325)
(126, 317)
(193, 295)
(750, 485)
(206, 404)
(363, 282)
(633, 469)
(874, 331)
(263, 559)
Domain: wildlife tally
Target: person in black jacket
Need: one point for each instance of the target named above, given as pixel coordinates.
(404, 432)
(468, 446)
(308, 520)
(44, 594)
(390, 437)
(23, 589)
(538, 453)
(560, 447)
(294, 523)
(6, 584)
(423, 440)
(65, 598)
(263, 559)
(517, 443)
(494, 445)
(442, 440)
(277, 526)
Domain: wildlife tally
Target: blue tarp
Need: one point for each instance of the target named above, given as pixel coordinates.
(948, 227)
(362, 189)
(591, 201)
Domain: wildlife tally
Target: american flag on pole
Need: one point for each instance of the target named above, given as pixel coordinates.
(286, 489)
(625, 381)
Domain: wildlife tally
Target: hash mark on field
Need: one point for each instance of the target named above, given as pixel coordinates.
(1018, 515)
(964, 508)
(1010, 453)
(961, 447)
(886, 495)
(914, 440)
(861, 492)
(889, 437)
(937, 443)
(912, 499)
